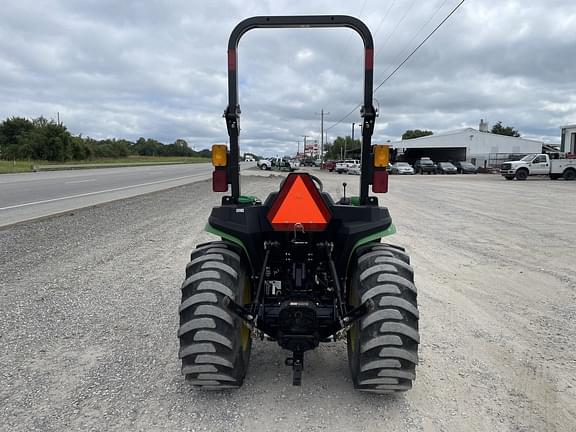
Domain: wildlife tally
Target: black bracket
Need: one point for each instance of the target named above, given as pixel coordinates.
(232, 116)
(246, 316)
(297, 363)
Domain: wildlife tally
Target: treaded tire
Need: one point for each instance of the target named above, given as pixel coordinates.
(214, 344)
(522, 174)
(569, 174)
(383, 346)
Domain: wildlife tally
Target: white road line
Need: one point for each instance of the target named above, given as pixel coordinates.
(80, 181)
(99, 192)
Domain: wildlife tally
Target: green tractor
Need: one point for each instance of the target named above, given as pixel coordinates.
(300, 268)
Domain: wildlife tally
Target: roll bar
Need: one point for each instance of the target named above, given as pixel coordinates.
(232, 112)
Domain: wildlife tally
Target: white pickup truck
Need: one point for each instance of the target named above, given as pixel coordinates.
(554, 165)
(278, 164)
(345, 165)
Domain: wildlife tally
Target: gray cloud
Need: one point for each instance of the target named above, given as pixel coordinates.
(158, 68)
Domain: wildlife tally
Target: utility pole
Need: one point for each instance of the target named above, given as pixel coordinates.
(322, 114)
(298, 152)
(304, 150)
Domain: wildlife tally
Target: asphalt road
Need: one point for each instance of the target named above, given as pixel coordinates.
(89, 315)
(33, 195)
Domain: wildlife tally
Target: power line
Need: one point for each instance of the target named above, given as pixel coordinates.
(357, 57)
(383, 18)
(401, 64)
(416, 34)
(345, 117)
(419, 45)
(349, 38)
(395, 28)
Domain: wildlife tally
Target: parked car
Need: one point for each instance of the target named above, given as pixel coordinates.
(330, 165)
(280, 164)
(424, 165)
(294, 163)
(354, 170)
(401, 168)
(466, 168)
(446, 168)
(311, 162)
(264, 164)
(345, 165)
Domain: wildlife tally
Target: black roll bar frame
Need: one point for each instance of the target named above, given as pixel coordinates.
(367, 112)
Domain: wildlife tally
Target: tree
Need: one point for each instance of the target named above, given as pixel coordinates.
(504, 130)
(181, 143)
(11, 131)
(45, 140)
(416, 133)
(336, 149)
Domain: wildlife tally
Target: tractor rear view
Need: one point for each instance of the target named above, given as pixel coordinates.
(299, 268)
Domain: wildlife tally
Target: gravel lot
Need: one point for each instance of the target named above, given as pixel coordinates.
(88, 318)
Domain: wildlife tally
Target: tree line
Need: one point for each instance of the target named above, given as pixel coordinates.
(336, 150)
(42, 139)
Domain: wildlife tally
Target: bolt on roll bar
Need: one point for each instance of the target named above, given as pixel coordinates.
(232, 112)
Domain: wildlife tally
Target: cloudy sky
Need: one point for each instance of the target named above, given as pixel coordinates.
(157, 68)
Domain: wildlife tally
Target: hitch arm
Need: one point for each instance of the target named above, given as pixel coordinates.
(247, 317)
(352, 316)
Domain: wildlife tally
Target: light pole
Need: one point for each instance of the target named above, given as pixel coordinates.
(353, 124)
(322, 115)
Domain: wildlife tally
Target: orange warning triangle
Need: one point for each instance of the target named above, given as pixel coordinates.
(301, 204)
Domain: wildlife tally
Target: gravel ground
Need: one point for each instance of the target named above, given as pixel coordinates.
(88, 318)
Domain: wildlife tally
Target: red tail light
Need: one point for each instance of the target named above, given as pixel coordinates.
(219, 180)
(380, 181)
(299, 203)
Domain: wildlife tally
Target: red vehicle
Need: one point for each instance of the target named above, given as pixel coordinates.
(329, 165)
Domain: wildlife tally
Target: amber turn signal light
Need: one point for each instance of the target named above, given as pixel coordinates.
(381, 156)
(219, 155)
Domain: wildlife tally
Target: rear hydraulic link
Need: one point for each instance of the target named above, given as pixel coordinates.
(245, 315)
(342, 325)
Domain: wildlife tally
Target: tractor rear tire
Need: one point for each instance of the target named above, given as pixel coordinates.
(214, 343)
(383, 345)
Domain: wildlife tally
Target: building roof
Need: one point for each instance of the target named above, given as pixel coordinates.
(468, 130)
(572, 126)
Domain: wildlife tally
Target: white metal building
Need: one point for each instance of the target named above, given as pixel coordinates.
(481, 148)
(568, 139)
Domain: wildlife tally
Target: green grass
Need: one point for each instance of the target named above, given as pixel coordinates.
(27, 166)
(15, 167)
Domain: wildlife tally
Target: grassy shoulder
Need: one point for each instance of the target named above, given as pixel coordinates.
(18, 166)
